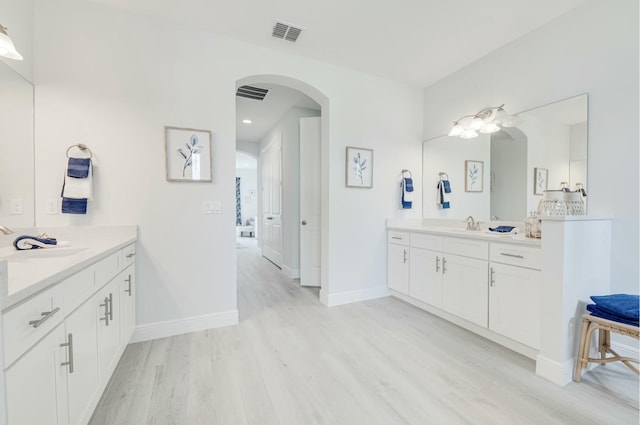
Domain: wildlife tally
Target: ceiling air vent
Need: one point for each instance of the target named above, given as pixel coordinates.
(251, 92)
(286, 31)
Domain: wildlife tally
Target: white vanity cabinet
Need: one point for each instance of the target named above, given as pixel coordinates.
(514, 293)
(398, 261)
(55, 372)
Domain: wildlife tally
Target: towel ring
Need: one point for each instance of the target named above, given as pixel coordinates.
(80, 146)
(407, 171)
(442, 173)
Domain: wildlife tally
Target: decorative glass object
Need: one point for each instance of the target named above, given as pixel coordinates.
(560, 203)
(533, 225)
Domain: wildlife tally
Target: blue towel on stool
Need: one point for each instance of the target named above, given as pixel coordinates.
(407, 192)
(622, 305)
(606, 314)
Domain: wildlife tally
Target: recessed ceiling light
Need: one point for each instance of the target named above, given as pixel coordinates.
(245, 121)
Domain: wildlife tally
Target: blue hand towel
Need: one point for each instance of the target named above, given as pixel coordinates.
(407, 192)
(622, 305)
(74, 206)
(443, 189)
(25, 242)
(78, 167)
(502, 229)
(606, 314)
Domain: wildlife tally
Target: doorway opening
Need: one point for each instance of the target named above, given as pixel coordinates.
(286, 130)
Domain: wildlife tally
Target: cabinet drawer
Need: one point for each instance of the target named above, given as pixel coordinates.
(128, 255)
(107, 268)
(467, 247)
(27, 323)
(523, 256)
(78, 288)
(399, 238)
(426, 241)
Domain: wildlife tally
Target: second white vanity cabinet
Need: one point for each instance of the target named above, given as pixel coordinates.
(398, 261)
(514, 293)
(58, 377)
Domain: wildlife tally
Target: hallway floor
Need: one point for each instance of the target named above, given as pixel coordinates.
(381, 362)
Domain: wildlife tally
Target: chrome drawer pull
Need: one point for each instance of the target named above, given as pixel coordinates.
(70, 345)
(506, 254)
(404, 257)
(396, 237)
(131, 254)
(444, 265)
(110, 306)
(492, 279)
(106, 311)
(128, 290)
(46, 315)
(437, 264)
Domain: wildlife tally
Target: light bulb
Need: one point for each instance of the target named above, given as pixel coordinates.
(7, 49)
(476, 123)
(469, 134)
(489, 128)
(456, 130)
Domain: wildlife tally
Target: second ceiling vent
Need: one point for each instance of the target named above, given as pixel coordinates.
(286, 31)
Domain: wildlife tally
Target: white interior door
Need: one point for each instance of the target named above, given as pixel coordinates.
(310, 201)
(272, 201)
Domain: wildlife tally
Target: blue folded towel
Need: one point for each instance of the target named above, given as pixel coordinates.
(447, 186)
(443, 199)
(74, 206)
(606, 314)
(407, 192)
(78, 167)
(32, 242)
(622, 305)
(502, 229)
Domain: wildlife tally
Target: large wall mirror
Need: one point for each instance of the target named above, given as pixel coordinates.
(17, 191)
(551, 140)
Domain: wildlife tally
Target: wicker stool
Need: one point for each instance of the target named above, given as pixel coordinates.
(605, 327)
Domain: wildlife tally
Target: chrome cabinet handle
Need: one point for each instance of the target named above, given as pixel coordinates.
(128, 290)
(46, 315)
(110, 306)
(131, 254)
(69, 344)
(304, 222)
(106, 311)
(269, 218)
(437, 264)
(492, 275)
(444, 265)
(404, 259)
(398, 238)
(506, 254)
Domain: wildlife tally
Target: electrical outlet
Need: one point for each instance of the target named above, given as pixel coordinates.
(52, 206)
(17, 207)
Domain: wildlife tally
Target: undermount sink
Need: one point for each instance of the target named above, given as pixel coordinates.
(34, 254)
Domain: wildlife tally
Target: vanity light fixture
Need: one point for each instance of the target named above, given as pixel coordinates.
(7, 49)
(486, 121)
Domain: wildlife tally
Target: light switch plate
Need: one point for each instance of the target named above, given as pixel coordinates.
(217, 207)
(207, 207)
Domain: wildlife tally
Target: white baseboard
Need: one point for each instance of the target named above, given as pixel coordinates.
(291, 273)
(348, 297)
(183, 326)
(556, 372)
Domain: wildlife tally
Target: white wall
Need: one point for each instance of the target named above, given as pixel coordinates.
(17, 17)
(593, 49)
(112, 80)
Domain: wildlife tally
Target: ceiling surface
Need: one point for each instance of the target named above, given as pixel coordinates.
(413, 41)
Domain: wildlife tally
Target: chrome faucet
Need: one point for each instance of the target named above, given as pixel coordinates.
(6, 230)
(472, 224)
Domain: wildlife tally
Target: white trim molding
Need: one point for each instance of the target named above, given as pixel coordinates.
(348, 297)
(182, 326)
(291, 273)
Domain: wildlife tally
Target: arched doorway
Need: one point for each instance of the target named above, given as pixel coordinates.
(323, 165)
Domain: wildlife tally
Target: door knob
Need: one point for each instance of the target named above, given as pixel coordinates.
(304, 222)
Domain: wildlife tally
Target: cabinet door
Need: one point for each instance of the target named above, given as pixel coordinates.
(127, 281)
(514, 303)
(465, 288)
(83, 382)
(425, 276)
(398, 268)
(107, 315)
(36, 384)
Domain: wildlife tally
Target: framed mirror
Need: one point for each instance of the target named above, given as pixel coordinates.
(17, 190)
(548, 143)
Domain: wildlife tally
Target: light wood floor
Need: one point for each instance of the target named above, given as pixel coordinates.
(382, 362)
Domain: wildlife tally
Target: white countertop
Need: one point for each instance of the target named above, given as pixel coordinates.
(32, 271)
(454, 228)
